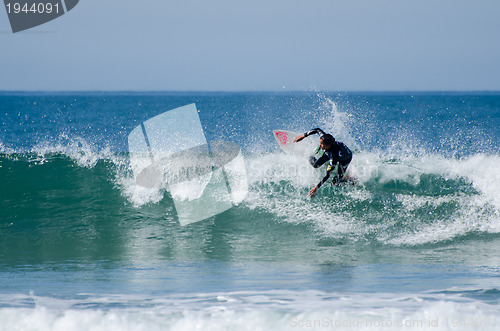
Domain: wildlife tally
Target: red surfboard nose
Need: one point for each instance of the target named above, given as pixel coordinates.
(282, 136)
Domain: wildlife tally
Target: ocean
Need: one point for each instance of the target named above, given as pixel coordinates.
(415, 244)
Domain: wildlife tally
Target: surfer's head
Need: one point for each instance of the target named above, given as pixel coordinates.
(326, 141)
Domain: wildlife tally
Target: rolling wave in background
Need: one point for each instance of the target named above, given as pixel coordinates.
(415, 240)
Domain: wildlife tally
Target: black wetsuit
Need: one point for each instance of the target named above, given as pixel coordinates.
(338, 153)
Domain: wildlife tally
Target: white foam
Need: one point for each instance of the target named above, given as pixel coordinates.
(6, 150)
(135, 193)
(87, 155)
(279, 183)
(271, 310)
(484, 173)
(78, 149)
(338, 122)
(479, 212)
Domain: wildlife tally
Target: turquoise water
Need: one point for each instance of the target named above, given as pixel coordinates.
(416, 244)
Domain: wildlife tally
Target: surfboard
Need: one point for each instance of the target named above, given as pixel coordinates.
(304, 148)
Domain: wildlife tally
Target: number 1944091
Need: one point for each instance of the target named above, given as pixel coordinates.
(35, 8)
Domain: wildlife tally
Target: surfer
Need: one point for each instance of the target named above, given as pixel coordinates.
(338, 155)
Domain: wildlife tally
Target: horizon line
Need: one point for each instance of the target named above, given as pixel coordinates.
(253, 91)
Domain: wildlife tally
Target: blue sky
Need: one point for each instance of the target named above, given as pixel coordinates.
(223, 45)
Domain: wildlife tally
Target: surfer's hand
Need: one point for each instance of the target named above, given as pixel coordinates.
(299, 138)
(313, 191)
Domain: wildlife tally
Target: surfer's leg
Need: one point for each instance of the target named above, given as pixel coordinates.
(343, 164)
(339, 173)
(336, 176)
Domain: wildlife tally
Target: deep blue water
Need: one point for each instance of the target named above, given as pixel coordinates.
(415, 241)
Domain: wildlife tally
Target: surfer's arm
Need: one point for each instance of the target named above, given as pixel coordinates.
(299, 138)
(316, 163)
(308, 133)
(313, 191)
(314, 131)
(324, 179)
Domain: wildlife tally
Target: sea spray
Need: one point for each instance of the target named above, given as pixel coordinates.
(414, 243)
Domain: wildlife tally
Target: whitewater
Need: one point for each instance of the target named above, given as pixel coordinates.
(414, 245)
